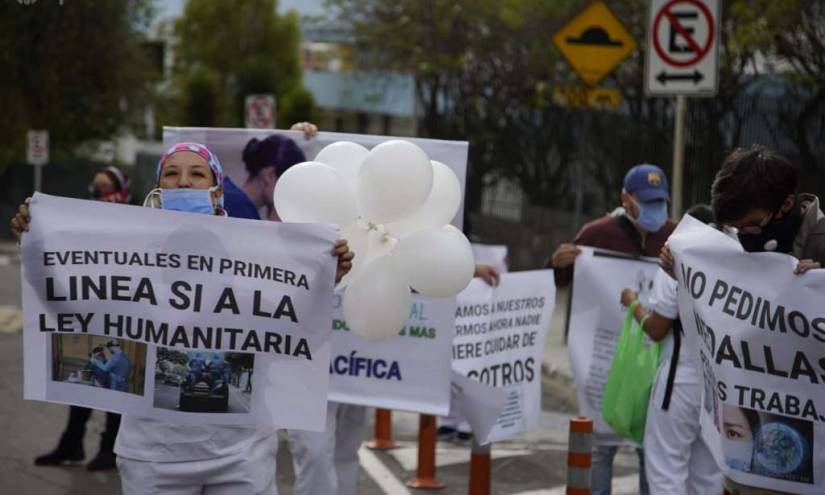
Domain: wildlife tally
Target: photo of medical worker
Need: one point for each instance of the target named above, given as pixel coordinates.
(203, 381)
(766, 444)
(96, 361)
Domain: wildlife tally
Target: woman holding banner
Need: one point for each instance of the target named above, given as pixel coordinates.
(158, 457)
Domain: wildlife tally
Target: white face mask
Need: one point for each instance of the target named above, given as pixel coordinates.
(738, 455)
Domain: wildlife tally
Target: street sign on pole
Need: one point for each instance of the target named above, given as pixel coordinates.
(682, 48)
(260, 111)
(594, 42)
(37, 154)
(37, 151)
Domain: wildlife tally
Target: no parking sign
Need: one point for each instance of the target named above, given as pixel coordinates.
(682, 48)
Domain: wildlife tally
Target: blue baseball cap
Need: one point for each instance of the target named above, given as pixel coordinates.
(647, 183)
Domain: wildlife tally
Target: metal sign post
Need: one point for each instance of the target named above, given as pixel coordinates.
(678, 157)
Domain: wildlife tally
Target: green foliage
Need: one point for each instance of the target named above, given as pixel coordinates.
(76, 69)
(230, 49)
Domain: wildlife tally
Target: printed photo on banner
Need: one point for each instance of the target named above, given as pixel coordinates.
(768, 444)
(112, 364)
(211, 382)
(234, 145)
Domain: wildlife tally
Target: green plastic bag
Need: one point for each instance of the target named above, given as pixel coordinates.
(627, 390)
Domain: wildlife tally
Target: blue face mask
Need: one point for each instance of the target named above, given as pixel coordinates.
(652, 215)
(189, 200)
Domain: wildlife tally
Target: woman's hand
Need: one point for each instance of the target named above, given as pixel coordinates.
(345, 256)
(488, 273)
(628, 296)
(564, 256)
(310, 129)
(20, 222)
(806, 265)
(666, 261)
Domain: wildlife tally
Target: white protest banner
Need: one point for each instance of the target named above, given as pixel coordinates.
(759, 330)
(596, 316)
(410, 372)
(229, 144)
(499, 341)
(159, 313)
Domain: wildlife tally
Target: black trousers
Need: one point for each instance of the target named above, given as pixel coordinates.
(72, 437)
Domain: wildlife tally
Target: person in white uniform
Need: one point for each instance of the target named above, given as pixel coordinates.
(155, 457)
(677, 459)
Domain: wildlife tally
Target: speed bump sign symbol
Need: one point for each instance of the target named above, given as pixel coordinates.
(594, 42)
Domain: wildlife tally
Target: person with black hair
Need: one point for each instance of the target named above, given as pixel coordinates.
(265, 161)
(677, 459)
(754, 198)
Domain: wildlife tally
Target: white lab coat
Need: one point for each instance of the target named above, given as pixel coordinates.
(677, 460)
(326, 463)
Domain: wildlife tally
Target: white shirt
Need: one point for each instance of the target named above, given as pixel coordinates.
(664, 300)
(146, 439)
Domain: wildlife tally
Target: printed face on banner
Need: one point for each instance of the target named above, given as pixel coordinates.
(759, 331)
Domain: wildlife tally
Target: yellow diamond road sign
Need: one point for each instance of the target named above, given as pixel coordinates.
(594, 42)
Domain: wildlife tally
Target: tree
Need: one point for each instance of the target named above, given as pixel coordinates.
(229, 49)
(485, 71)
(75, 68)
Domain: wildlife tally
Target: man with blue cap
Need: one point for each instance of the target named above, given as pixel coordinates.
(639, 228)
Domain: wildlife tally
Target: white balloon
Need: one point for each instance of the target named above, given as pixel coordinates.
(394, 181)
(312, 192)
(377, 302)
(357, 237)
(441, 206)
(438, 262)
(346, 157)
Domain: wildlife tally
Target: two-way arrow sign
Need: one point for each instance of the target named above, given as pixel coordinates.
(664, 77)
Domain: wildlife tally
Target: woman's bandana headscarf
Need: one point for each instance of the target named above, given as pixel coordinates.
(200, 150)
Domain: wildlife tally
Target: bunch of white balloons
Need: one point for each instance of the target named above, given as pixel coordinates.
(394, 206)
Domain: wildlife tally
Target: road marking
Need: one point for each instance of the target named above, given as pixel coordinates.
(379, 473)
(11, 319)
(625, 485)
